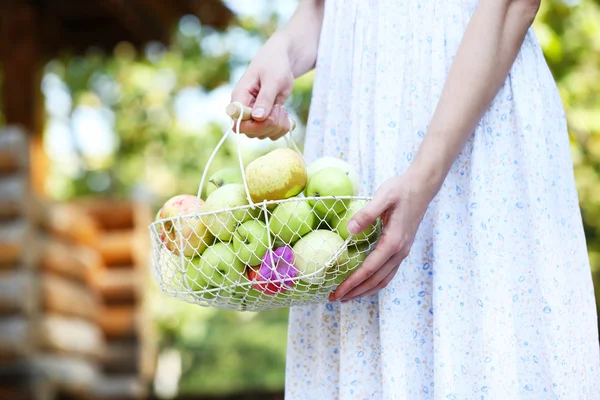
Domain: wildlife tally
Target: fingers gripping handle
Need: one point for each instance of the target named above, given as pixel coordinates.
(233, 110)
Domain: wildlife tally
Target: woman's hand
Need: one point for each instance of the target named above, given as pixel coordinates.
(264, 87)
(401, 202)
(267, 83)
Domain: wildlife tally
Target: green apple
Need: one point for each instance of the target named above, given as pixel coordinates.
(325, 162)
(239, 294)
(302, 292)
(251, 241)
(292, 220)
(329, 181)
(220, 265)
(223, 177)
(314, 250)
(196, 279)
(339, 223)
(356, 256)
(221, 223)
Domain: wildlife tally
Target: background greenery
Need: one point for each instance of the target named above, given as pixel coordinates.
(144, 124)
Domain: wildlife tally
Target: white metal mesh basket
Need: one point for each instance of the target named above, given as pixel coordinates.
(271, 240)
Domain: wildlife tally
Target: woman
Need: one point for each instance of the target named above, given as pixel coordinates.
(480, 287)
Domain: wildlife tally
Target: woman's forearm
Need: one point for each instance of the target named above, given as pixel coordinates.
(488, 49)
(302, 33)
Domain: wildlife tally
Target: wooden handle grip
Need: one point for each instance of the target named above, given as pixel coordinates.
(233, 110)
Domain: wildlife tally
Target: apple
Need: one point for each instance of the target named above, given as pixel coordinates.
(239, 294)
(339, 223)
(325, 162)
(223, 177)
(291, 220)
(277, 265)
(251, 241)
(329, 181)
(221, 223)
(314, 250)
(188, 235)
(279, 174)
(303, 292)
(356, 256)
(220, 265)
(194, 277)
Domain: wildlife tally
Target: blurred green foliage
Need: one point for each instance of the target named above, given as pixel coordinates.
(138, 92)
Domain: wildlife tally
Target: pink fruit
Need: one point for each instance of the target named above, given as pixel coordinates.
(276, 265)
(188, 235)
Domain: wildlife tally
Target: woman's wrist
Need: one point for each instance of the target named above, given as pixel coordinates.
(301, 34)
(431, 165)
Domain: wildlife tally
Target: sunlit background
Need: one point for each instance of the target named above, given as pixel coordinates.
(139, 123)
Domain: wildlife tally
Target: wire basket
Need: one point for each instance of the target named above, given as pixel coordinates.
(274, 235)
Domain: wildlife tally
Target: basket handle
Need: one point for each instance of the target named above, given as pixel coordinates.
(239, 113)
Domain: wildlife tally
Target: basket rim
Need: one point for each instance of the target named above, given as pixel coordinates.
(261, 204)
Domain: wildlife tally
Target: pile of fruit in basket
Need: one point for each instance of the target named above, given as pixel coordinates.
(292, 239)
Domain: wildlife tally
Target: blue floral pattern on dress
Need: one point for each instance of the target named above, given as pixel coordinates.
(495, 300)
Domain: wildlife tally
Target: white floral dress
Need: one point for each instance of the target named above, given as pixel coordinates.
(495, 300)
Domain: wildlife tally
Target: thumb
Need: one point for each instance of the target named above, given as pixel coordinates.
(367, 215)
(265, 100)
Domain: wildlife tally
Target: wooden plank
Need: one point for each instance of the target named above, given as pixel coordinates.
(121, 357)
(117, 285)
(120, 387)
(19, 25)
(68, 297)
(141, 24)
(67, 260)
(17, 337)
(14, 153)
(118, 321)
(116, 247)
(16, 241)
(68, 222)
(109, 213)
(70, 336)
(22, 382)
(70, 374)
(13, 195)
(17, 291)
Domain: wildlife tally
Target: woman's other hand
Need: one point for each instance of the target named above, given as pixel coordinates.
(264, 87)
(401, 202)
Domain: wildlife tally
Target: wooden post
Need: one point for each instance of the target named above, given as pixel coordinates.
(22, 97)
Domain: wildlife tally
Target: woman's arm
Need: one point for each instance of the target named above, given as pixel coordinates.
(302, 34)
(487, 51)
(289, 53)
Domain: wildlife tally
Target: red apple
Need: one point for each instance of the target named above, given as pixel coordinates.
(188, 235)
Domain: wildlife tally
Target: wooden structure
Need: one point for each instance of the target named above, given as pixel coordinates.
(33, 32)
(123, 243)
(72, 317)
(50, 339)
